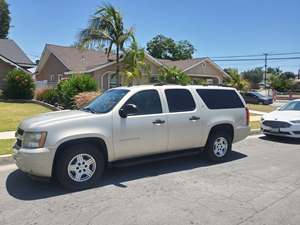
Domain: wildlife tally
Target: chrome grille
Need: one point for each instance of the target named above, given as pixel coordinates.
(276, 124)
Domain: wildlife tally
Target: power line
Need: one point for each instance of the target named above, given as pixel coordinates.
(255, 55)
(256, 59)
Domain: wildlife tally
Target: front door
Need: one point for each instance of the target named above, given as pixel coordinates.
(144, 132)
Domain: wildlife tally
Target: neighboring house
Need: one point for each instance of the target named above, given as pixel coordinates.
(12, 56)
(58, 62)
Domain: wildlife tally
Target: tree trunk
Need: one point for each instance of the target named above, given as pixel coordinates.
(118, 67)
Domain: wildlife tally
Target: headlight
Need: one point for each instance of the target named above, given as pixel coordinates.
(295, 121)
(34, 139)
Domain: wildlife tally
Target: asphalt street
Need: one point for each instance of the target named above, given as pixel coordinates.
(260, 184)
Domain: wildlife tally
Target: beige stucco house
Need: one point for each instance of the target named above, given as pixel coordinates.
(12, 56)
(58, 62)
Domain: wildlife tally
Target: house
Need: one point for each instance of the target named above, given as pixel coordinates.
(59, 62)
(12, 56)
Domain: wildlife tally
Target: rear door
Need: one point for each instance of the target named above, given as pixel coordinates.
(184, 119)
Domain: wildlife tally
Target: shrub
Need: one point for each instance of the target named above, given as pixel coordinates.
(82, 99)
(47, 95)
(67, 89)
(19, 85)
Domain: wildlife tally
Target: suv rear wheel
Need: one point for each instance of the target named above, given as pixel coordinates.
(218, 146)
(79, 166)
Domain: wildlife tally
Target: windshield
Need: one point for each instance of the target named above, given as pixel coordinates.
(291, 106)
(106, 102)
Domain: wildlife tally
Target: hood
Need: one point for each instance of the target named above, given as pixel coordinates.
(46, 119)
(283, 115)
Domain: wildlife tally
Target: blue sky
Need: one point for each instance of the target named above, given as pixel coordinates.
(215, 27)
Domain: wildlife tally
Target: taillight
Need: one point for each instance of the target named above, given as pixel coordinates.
(247, 116)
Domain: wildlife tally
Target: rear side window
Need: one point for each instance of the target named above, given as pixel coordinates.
(147, 102)
(180, 100)
(220, 99)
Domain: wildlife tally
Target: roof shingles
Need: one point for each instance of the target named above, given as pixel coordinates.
(11, 51)
(78, 60)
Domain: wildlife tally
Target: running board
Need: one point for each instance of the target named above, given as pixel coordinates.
(154, 158)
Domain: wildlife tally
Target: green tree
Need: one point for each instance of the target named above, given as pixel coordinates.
(135, 66)
(106, 28)
(163, 47)
(288, 75)
(4, 19)
(280, 83)
(173, 75)
(254, 76)
(236, 80)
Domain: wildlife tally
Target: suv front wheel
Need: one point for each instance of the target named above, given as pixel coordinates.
(218, 146)
(79, 166)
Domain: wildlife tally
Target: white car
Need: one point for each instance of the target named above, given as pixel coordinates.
(129, 122)
(283, 122)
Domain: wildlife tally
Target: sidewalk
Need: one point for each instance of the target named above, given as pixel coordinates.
(7, 135)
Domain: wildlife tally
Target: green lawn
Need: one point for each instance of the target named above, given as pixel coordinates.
(11, 114)
(6, 146)
(261, 108)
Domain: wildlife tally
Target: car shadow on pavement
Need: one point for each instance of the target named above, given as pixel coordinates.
(20, 186)
(284, 140)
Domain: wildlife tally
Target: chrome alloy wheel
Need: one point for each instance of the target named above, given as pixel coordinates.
(220, 147)
(81, 167)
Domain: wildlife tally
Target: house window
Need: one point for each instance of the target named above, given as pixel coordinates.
(52, 77)
(113, 81)
(59, 77)
(203, 65)
(210, 81)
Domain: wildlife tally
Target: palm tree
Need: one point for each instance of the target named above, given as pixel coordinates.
(106, 28)
(135, 66)
(236, 80)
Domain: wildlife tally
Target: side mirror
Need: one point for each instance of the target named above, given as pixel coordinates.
(127, 110)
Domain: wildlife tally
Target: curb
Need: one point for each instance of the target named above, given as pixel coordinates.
(6, 160)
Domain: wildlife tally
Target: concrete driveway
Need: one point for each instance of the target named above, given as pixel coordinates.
(260, 184)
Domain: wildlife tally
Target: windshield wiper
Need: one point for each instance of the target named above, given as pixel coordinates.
(88, 109)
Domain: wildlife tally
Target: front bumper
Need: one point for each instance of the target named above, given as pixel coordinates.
(37, 162)
(293, 131)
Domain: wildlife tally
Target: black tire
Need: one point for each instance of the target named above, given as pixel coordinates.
(61, 166)
(209, 148)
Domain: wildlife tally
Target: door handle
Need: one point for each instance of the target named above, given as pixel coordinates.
(158, 121)
(194, 118)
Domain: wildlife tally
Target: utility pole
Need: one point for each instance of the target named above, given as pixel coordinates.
(266, 64)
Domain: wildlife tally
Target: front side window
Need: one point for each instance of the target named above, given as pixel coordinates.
(107, 101)
(147, 102)
(180, 100)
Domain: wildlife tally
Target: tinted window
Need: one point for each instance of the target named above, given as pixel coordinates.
(220, 99)
(147, 102)
(180, 100)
